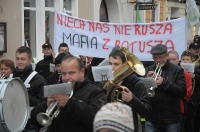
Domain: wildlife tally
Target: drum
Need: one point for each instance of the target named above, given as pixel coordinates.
(14, 104)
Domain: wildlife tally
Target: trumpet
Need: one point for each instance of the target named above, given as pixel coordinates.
(157, 72)
(45, 119)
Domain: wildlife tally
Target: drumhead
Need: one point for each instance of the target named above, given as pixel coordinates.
(15, 106)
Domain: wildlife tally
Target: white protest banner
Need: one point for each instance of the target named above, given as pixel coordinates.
(97, 39)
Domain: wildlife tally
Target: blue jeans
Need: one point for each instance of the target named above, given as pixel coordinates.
(162, 127)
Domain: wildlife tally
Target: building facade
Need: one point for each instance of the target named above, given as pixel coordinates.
(30, 22)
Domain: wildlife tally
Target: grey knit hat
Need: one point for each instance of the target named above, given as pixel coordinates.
(115, 116)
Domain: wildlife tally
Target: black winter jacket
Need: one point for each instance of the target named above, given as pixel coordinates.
(140, 103)
(195, 98)
(35, 91)
(42, 67)
(78, 114)
(166, 102)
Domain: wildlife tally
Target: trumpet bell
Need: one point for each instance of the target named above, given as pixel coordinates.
(44, 119)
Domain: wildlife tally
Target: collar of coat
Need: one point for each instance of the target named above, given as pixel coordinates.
(79, 85)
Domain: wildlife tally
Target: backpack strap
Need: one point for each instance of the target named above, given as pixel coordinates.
(29, 78)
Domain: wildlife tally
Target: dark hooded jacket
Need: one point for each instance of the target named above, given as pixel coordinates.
(140, 103)
(43, 66)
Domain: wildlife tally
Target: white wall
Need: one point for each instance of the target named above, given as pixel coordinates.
(12, 15)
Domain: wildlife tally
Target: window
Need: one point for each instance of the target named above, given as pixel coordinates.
(49, 24)
(155, 14)
(103, 12)
(49, 3)
(68, 7)
(3, 38)
(29, 3)
(29, 25)
(39, 23)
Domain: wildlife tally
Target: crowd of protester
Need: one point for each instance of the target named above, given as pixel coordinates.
(175, 107)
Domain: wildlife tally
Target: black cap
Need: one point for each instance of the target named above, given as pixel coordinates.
(196, 39)
(159, 49)
(59, 58)
(194, 45)
(46, 45)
